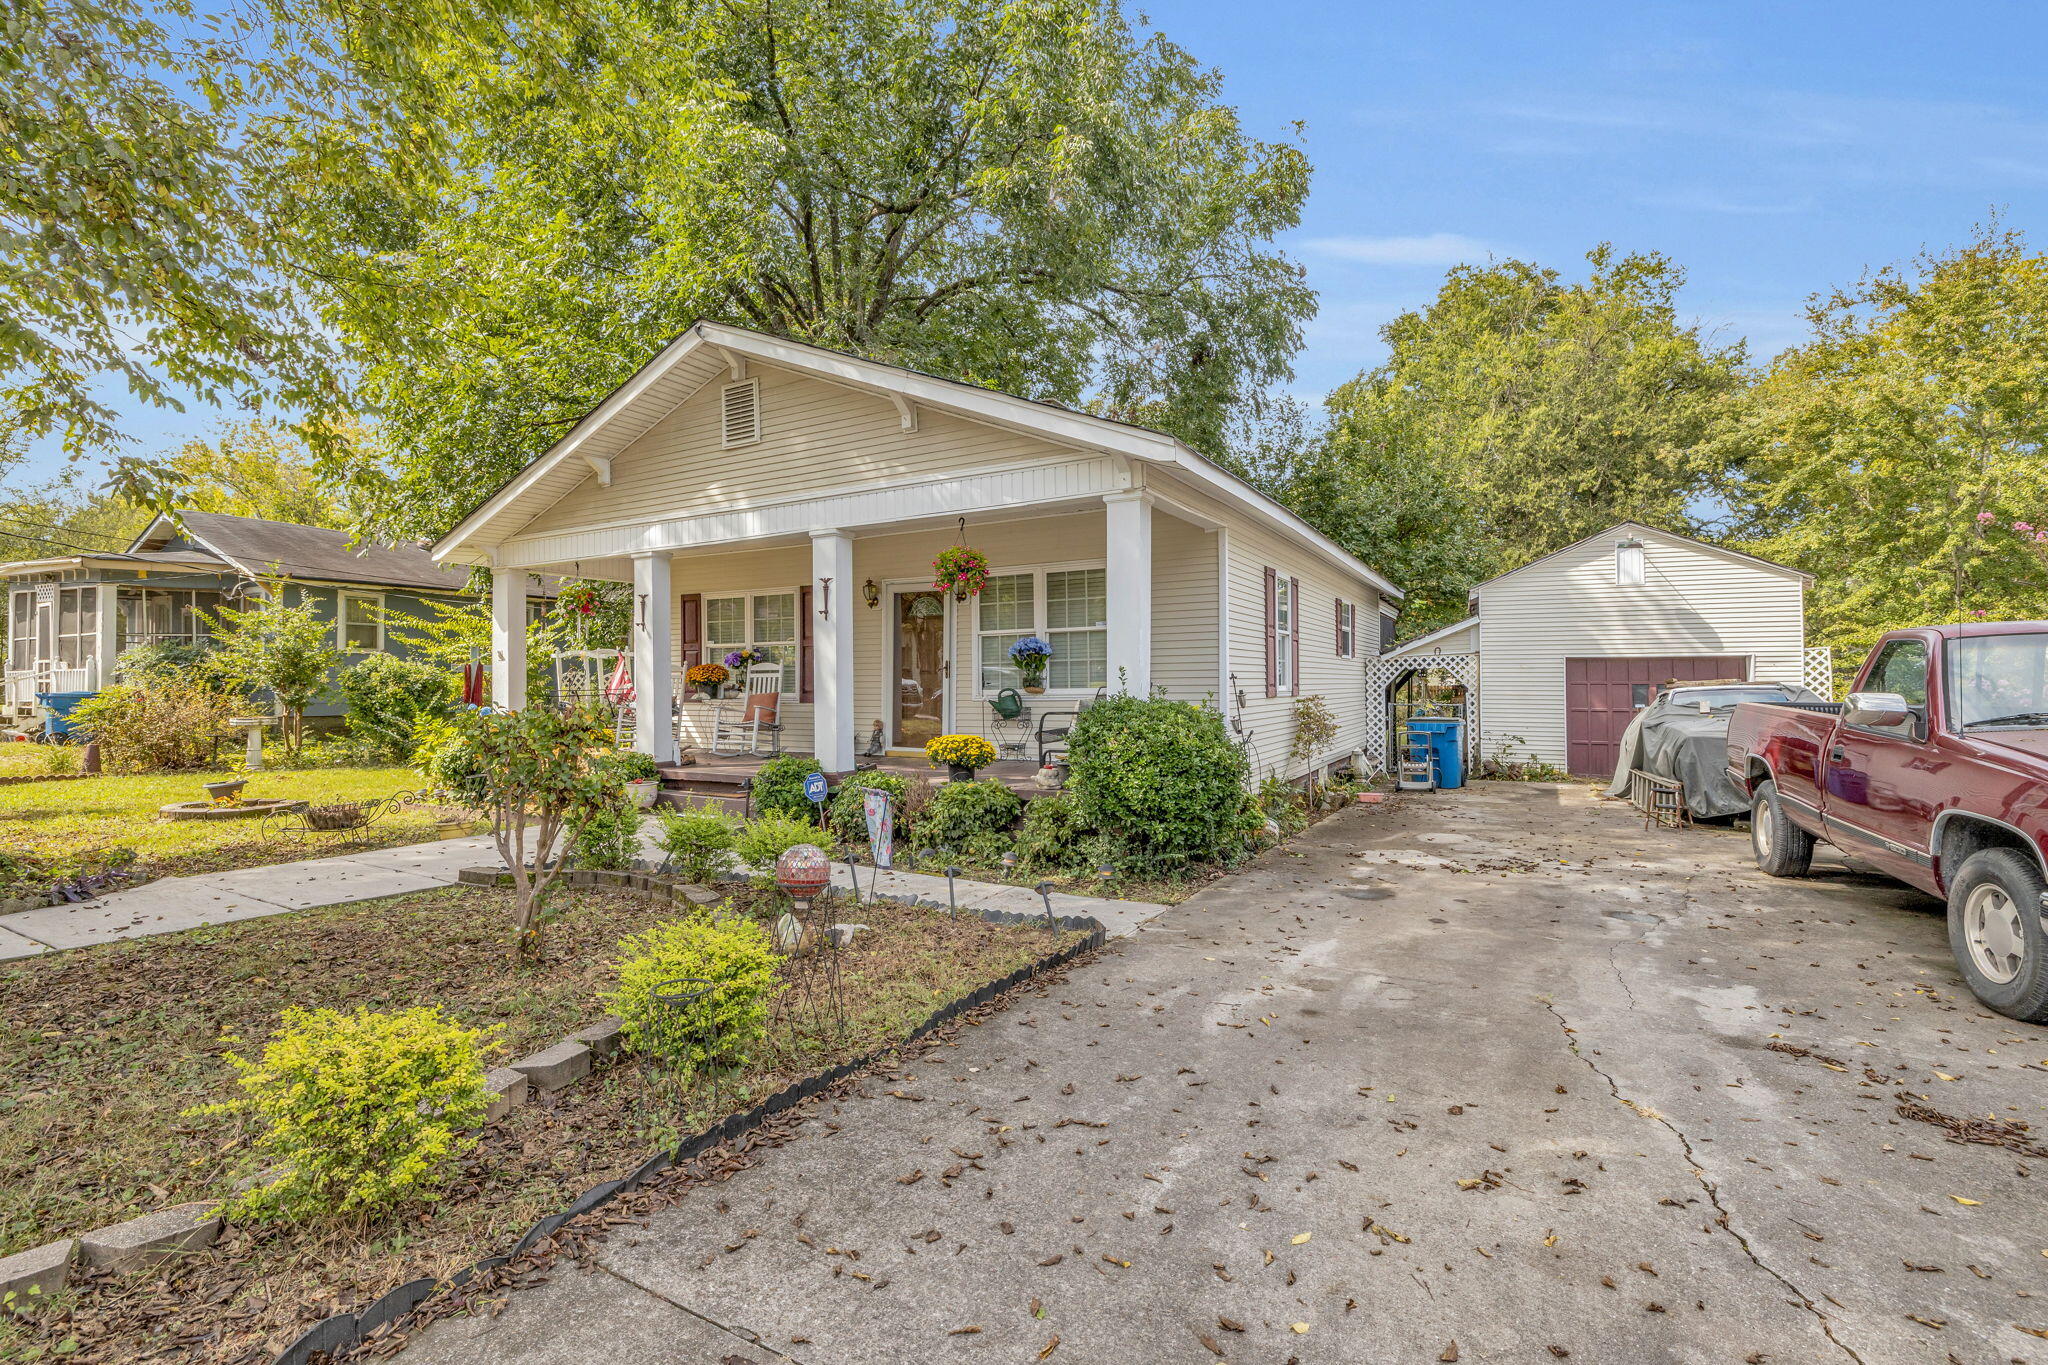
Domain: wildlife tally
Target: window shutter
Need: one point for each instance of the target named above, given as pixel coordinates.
(1294, 638)
(690, 635)
(1272, 647)
(803, 644)
(1338, 637)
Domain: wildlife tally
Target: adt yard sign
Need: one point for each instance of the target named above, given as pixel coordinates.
(814, 789)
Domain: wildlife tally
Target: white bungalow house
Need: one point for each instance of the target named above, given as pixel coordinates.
(1567, 648)
(761, 492)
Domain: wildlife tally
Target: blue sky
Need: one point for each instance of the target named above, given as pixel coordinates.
(1774, 150)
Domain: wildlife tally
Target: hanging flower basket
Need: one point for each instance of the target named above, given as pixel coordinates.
(580, 597)
(960, 571)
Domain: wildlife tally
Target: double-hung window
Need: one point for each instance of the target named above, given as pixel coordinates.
(1067, 608)
(360, 623)
(1347, 630)
(765, 620)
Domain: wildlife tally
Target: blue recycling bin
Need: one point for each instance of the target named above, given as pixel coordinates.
(57, 725)
(1446, 740)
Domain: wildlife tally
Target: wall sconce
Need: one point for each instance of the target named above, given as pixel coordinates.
(871, 593)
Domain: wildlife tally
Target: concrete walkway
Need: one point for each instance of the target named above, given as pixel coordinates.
(1487, 1076)
(175, 904)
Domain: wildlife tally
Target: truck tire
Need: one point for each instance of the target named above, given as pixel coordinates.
(1996, 934)
(1782, 848)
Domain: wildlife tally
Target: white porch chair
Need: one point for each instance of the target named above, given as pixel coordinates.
(740, 723)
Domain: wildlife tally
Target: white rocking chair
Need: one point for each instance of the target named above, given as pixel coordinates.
(740, 724)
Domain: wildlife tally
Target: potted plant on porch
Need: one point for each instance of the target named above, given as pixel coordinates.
(639, 774)
(961, 754)
(704, 680)
(1030, 654)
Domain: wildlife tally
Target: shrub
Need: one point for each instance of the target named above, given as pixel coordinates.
(1158, 778)
(609, 840)
(1053, 837)
(779, 785)
(698, 843)
(164, 722)
(448, 764)
(960, 813)
(362, 1110)
(766, 839)
(630, 765)
(285, 650)
(846, 813)
(165, 658)
(733, 953)
(1285, 804)
(390, 699)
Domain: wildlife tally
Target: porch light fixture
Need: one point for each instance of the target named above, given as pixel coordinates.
(871, 593)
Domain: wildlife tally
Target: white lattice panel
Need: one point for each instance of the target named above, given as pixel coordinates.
(1820, 671)
(1381, 673)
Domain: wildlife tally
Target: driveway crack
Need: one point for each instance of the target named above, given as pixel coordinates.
(1724, 1218)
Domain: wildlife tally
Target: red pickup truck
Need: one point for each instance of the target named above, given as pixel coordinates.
(1936, 771)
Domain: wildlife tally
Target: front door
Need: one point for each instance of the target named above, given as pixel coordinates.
(919, 667)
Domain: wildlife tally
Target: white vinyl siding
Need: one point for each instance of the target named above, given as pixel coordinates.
(1693, 600)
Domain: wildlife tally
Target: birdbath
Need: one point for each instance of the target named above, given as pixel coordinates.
(253, 725)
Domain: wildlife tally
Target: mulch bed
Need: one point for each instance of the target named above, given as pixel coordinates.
(100, 1050)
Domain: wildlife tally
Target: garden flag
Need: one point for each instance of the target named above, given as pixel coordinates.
(618, 688)
(881, 824)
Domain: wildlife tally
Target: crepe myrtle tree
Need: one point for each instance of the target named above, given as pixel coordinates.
(284, 649)
(537, 775)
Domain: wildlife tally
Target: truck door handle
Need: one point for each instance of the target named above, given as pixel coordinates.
(1838, 755)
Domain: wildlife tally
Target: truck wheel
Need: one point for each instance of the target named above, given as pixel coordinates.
(1782, 848)
(1995, 932)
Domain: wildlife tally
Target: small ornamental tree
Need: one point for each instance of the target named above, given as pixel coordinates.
(284, 650)
(538, 776)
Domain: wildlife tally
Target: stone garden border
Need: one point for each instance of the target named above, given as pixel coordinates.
(139, 1242)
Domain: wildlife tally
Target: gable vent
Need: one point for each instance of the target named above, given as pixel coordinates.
(739, 409)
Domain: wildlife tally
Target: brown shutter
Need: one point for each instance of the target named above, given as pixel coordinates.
(1272, 650)
(1294, 638)
(690, 634)
(1337, 633)
(803, 644)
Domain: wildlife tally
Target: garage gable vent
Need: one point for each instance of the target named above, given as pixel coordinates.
(1628, 563)
(739, 412)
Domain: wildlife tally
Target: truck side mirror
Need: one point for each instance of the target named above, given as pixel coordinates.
(1876, 709)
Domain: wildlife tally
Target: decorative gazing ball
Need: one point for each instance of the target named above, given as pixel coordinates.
(803, 870)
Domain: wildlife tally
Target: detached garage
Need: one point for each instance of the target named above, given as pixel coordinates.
(1572, 645)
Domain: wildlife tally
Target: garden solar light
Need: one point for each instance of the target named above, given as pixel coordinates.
(1044, 889)
(951, 907)
(1010, 861)
(1104, 871)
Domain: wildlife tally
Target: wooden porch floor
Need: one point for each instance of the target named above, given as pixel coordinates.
(734, 770)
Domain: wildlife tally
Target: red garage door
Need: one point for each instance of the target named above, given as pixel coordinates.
(1602, 695)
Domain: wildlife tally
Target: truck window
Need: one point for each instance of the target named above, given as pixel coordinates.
(1901, 667)
(2000, 679)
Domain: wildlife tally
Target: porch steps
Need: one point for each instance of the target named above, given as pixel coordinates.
(689, 788)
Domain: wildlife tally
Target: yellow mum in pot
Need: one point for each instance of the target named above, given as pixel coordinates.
(960, 751)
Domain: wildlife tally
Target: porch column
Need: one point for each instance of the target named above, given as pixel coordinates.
(508, 639)
(1129, 535)
(654, 653)
(106, 636)
(832, 598)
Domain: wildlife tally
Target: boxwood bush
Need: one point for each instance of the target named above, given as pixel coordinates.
(779, 786)
(1160, 780)
(732, 953)
(1053, 837)
(698, 842)
(970, 816)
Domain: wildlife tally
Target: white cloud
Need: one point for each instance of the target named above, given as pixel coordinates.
(1432, 249)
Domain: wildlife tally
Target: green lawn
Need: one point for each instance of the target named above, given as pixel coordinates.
(59, 819)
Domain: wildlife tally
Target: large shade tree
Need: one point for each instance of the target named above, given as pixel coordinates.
(1517, 412)
(1898, 455)
(1030, 194)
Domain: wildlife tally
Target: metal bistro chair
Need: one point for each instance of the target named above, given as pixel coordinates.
(1012, 722)
(1055, 726)
(741, 723)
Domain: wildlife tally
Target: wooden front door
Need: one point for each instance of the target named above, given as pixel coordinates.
(918, 667)
(1601, 696)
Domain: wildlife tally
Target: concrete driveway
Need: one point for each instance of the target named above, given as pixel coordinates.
(1488, 1076)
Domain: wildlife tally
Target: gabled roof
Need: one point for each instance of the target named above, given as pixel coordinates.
(1637, 527)
(260, 549)
(1423, 641)
(695, 358)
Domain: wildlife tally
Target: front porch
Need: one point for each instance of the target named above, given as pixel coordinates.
(722, 780)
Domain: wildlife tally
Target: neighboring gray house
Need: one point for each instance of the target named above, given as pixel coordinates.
(69, 617)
